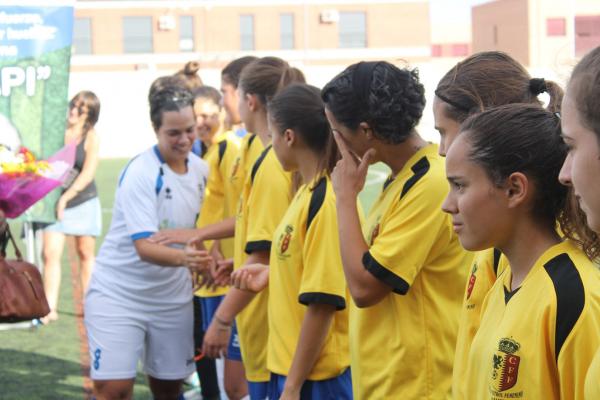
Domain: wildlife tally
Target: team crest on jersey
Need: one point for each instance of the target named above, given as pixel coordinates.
(505, 365)
(284, 239)
(472, 280)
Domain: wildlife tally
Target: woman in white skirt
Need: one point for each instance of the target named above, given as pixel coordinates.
(78, 210)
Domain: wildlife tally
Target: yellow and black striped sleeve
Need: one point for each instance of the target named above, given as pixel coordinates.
(409, 229)
(323, 278)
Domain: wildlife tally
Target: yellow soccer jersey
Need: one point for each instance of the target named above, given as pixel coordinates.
(221, 199)
(265, 197)
(592, 379)
(538, 341)
(250, 149)
(306, 268)
(487, 265)
(403, 347)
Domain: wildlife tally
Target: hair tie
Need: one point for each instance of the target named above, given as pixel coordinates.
(537, 86)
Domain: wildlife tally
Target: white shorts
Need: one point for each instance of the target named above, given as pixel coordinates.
(118, 337)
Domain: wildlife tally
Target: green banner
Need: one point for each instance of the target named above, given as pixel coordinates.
(35, 54)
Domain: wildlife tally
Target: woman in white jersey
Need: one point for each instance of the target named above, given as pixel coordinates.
(139, 303)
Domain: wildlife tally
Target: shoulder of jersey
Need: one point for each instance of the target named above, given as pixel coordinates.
(427, 171)
(144, 164)
(437, 169)
(317, 198)
(260, 162)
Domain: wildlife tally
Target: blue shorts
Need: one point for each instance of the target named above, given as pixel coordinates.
(208, 307)
(233, 350)
(339, 388)
(259, 391)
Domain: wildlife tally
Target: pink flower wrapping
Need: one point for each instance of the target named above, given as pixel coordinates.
(19, 191)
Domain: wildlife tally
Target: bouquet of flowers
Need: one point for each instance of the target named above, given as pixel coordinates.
(25, 180)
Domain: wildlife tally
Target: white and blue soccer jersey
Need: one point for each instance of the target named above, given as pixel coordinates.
(149, 197)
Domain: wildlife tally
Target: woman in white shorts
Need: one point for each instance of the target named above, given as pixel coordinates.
(139, 302)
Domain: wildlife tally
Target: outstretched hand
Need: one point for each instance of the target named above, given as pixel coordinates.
(197, 260)
(221, 271)
(173, 236)
(252, 277)
(350, 173)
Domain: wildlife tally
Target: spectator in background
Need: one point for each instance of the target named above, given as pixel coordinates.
(78, 211)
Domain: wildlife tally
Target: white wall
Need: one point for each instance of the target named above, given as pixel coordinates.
(124, 125)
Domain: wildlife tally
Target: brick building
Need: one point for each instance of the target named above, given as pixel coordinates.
(538, 33)
(129, 34)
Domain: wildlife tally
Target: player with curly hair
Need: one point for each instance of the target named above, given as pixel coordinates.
(405, 268)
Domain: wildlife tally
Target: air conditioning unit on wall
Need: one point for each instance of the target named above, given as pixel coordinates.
(329, 16)
(166, 23)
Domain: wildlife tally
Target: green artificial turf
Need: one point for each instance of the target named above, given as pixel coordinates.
(45, 362)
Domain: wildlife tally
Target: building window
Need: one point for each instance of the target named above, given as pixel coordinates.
(353, 30)
(137, 35)
(556, 27)
(186, 33)
(247, 32)
(587, 26)
(587, 33)
(286, 29)
(82, 36)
